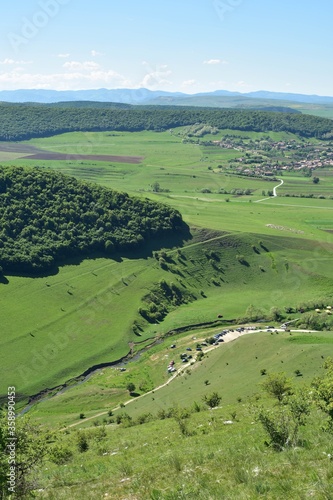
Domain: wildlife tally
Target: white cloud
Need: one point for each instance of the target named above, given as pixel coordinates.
(155, 77)
(73, 80)
(215, 61)
(79, 66)
(94, 53)
(63, 56)
(11, 62)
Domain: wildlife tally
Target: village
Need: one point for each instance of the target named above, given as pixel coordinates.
(269, 158)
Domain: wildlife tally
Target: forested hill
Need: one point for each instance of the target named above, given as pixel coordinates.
(22, 121)
(46, 216)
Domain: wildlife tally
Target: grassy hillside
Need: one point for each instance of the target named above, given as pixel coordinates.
(223, 367)
(168, 444)
(279, 273)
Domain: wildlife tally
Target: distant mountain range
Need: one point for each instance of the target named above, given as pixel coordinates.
(219, 98)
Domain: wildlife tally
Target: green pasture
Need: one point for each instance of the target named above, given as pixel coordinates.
(240, 215)
(300, 185)
(182, 169)
(58, 326)
(288, 272)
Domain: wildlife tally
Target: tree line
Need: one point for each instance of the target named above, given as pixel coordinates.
(25, 121)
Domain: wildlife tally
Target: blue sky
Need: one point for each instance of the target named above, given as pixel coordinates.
(174, 45)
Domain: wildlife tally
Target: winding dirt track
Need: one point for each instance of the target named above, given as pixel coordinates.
(274, 193)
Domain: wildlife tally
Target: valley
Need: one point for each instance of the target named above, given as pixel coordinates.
(79, 331)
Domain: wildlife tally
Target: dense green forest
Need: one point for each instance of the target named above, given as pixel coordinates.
(46, 216)
(22, 121)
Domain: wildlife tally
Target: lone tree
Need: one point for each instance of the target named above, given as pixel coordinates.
(315, 180)
(277, 385)
(130, 387)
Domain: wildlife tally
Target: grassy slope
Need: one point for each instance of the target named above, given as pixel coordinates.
(209, 459)
(67, 322)
(215, 460)
(292, 271)
(80, 320)
(223, 367)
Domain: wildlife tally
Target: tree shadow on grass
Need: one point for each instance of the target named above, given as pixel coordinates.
(166, 241)
(134, 394)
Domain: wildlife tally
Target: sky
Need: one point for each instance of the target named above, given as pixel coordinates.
(173, 45)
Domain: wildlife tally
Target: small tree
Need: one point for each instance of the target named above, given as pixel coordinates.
(275, 314)
(315, 180)
(212, 400)
(82, 442)
(282, 424)
(277, 385)
(130, 387)
(200, 355)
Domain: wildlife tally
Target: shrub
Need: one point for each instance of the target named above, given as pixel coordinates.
(60, 454)
(277, 385)
(212, 400)
(82, 442)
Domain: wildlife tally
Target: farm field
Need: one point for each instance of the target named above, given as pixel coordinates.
(175, 166)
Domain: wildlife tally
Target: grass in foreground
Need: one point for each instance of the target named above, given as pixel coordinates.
(214, 454)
